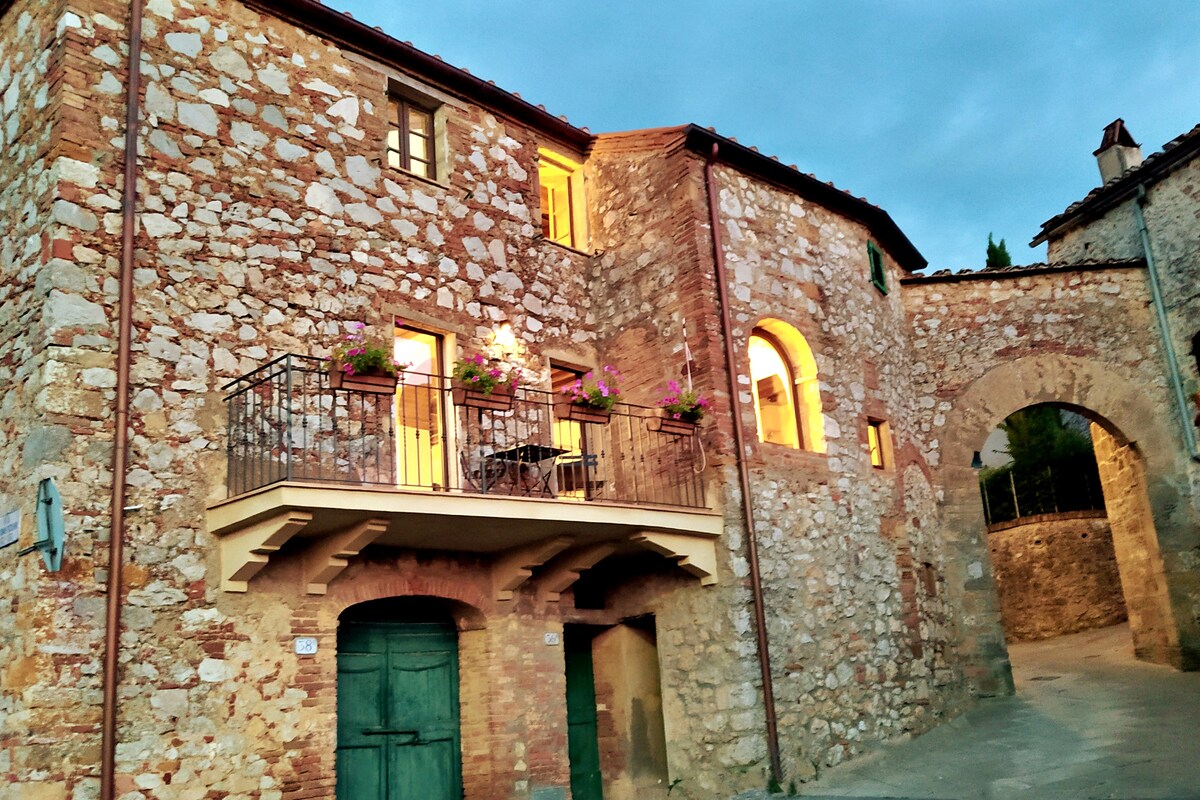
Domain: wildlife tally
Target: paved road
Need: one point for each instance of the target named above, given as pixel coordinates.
(1088, 723)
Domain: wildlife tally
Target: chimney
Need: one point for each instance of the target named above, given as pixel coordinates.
(1117, 152)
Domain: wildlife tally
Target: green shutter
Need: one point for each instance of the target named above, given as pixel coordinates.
(878, 274)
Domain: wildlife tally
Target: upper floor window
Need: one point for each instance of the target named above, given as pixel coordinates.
(787, 396)
(410, 138)
(561, 185)
(878, 443)
(878, 274)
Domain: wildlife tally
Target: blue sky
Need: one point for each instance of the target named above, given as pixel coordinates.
(959, 118)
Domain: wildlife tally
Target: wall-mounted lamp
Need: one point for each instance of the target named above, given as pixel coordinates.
(504, 337)
(976, 461)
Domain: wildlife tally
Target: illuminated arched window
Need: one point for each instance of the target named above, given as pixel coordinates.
(787, 396)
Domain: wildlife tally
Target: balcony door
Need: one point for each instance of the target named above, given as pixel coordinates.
(420, 423)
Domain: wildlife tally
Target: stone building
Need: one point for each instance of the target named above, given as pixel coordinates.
(275, 587)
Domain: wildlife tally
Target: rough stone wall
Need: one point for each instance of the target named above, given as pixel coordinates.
(1171, 213)
(267, 223)
(987, 346)
(48, 635)
(1056, 574)
(1136, 544)
(859, 653)
(841, 542)
(647, 220)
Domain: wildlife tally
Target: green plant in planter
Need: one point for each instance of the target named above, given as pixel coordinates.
(486, 375)
(356, 355)
(601, 392)
(685, 405)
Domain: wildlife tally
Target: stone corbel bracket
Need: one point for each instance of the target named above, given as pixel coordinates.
(325, 560)
(245, 552)
(513, 567)
(695, 555)
(559, 576)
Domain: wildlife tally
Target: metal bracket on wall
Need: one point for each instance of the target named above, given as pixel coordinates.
(50, 526)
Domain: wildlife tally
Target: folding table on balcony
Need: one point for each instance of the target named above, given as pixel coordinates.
(527, 469)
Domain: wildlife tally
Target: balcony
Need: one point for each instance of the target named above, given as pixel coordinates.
(329, 470)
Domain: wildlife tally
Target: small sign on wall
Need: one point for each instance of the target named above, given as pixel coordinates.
(306, 646)
(551, 638)
(10, 527)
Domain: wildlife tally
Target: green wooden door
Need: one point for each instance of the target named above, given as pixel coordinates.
(398, 729)
(583, 749)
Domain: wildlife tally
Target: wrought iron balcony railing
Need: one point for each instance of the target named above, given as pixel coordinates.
(287, 423)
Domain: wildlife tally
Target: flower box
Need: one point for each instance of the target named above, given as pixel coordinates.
(499, 399)
(672, 426)
(366, 383)
(577, 412)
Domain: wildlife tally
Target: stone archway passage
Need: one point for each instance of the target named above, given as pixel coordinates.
(1142, 457)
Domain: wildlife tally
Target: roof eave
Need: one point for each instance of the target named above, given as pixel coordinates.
(1122, 188)
(362, 38)
(886, 232)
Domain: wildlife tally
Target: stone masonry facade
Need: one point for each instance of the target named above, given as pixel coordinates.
(1056, 574)
(269, 222)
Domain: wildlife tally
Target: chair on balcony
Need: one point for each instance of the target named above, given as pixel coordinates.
(484, 478)
(578, 474)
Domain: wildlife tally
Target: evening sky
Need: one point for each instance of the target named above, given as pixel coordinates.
(959, 118)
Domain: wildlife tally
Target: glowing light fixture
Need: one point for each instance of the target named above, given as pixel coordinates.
(504, 337)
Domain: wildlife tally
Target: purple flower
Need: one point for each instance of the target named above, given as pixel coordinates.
(495, 373)
(358, 326)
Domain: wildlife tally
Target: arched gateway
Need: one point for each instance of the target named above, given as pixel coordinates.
(1140, 471)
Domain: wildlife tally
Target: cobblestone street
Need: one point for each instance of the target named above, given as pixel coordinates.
(1088, 722)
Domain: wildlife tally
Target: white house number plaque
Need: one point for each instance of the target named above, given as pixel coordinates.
(306, 646)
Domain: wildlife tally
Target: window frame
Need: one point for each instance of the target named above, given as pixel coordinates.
(878, 270)
(575, 213)
(777, 344)
(399, 122)
(883, 441)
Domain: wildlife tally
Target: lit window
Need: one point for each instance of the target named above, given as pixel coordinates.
(773, 386)
(410, 138)
(787, 395)
(878, 274)
(561, 199)
(877, 442)
(420, 434)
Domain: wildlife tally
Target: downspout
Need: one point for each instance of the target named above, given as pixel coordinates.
(112, 619)
(760, 617)
(1160, 311)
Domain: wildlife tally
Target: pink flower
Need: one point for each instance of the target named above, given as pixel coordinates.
(478, 358)
(495, 373)
(358, 326)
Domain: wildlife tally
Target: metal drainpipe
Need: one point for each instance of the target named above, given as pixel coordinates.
(1160, 311)
(112, 619)
(760, 617)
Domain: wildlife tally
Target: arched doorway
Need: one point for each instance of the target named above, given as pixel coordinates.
(398, 701)
(1049, 536)
(1141, 466)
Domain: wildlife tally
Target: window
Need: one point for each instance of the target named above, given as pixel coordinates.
(773, 386)
(878, 443)
(561, 186)
(420, 434)
(410, 138)
(878, 274)
(787, 395)
(577, 470)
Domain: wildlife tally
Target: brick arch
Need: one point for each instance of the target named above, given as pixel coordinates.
(1142, 452)
(468, 600)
